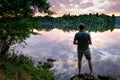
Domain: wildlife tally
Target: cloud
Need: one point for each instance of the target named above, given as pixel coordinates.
(114, 7)
(85, 6)
(55, 5)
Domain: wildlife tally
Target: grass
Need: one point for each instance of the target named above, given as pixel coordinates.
(20, 67)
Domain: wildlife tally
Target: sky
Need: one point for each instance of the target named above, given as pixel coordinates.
(76, 7)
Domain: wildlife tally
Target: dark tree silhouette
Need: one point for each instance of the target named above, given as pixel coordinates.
(16, 21)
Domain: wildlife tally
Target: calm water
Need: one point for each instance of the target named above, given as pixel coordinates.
(58, 45)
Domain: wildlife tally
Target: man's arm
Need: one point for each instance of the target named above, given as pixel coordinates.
(75, 42)
(90, 42)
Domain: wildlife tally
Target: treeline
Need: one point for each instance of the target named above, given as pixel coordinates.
(118, 21)
(93, 22)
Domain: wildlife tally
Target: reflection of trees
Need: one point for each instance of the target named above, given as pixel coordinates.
(94, 22)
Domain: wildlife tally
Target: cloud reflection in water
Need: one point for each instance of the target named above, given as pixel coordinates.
(58, 45)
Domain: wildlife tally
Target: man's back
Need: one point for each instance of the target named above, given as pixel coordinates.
(82, 37)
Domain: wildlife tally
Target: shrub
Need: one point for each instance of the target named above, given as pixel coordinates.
(20, 67)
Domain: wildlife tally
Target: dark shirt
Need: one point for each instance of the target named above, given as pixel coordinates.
(82, 37)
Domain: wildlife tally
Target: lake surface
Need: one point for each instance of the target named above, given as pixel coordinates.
(58, 45)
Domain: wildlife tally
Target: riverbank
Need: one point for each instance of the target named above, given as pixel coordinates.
(20, 67)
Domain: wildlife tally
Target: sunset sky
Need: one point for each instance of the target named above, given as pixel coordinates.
(76, 7)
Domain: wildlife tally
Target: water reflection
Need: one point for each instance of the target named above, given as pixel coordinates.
(58, 45)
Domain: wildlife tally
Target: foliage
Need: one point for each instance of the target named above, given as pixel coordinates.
(20, 67)
(14, 30)
(118, 21)
(93, 22)
(14, 8)
(15, 21)
(15, 26)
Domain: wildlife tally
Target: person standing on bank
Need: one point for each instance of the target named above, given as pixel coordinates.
(82, 39)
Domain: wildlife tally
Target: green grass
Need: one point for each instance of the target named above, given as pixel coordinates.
(20, 67)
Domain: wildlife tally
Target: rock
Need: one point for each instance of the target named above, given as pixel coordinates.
(50, 60)
(84, 76)
(106, 77)
(103, 77)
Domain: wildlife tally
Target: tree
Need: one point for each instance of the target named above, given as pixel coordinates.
(14, 8)
(16, 23)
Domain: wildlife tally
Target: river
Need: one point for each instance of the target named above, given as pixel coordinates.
(58, 45)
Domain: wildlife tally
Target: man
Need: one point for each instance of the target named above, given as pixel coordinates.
(82, 39)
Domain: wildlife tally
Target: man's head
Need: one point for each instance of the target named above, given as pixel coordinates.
(81, 26)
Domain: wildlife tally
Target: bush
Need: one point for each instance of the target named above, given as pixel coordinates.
(20, 67)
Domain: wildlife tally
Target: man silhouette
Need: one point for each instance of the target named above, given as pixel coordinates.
(82, 39)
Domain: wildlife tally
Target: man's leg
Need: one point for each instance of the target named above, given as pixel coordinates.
(79, 66)
(88, 57)
(80, 54)
(90, 67)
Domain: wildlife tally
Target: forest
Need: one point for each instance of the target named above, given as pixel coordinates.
(117, 21)
(94, 22)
